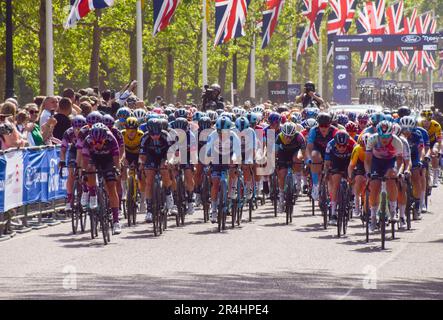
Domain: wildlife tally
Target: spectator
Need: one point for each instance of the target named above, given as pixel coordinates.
(21, 122)
(10, 136)
(62, 117)
(86, 108)
(69, 93)
(158, 102)
(39, 100)
(35, 137)
(48, 108)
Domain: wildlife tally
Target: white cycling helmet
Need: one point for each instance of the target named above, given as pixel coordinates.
(311, 123)
(408, 123)
(140, 114)
(289, 129)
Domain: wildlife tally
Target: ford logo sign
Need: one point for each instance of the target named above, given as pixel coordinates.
(411, 39)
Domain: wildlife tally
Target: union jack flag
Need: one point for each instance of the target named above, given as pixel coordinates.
(270, 19)
(81, 8)
(313, 10)
(371, 21)
(440, 55)
(393, 60)
(230, 18)
(163, 12)
(340, 20)
(422, 61)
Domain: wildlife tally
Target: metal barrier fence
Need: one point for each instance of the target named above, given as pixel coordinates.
(32, 192)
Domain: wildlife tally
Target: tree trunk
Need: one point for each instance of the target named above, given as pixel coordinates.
(222, 71)
(2, 75)
(169, 90)
(42, 49)
(146, 81)
(246, 93)
(95, 54)
(264, 87)
(283, 70)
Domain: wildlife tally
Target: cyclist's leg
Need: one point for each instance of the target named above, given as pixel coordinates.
(246, 169)
(282, 171)
(215, 186)
(297, 167)
(402, 200)
(198, 180)
(435, 163)
(167, 183)
(316, 168)
(392, 190)
(232, 183)
(189, 186)
(334, 183)
(359, 187)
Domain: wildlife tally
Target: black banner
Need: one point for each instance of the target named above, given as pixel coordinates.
(278, 91)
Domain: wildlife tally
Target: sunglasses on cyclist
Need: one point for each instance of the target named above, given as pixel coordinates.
(324, 125)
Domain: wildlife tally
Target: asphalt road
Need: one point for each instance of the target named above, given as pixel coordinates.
(263, 259)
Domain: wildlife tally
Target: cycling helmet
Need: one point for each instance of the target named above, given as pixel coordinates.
(197, 116)
(171, 117)
(168, 111)
(376, 118)
(236, 111)
(258, 109)
(154, 127)
(274, 117)
(352, 116)
(93, 118)
(370, 111)
(324, 119)
(241, 112)
(78, 121)
(140, 114)
(151, 115)
(212, 115)
(216, 86)
(108, 120)
(180, 123)
(289, 129)
(403, 111)
(408, 123)
(426, 114)
(311, 113)
(252, 118)
(219, 111)
(387, 111)
(309, 123)
(384, 129)
(341, 138)
(223, 123)
(131, 123)
(157, 110)
(342, 119)
(131, 100)
(164, 124)
(296, 117)
(227, 114)
(362, 117)
(396, 129)
(99, 132)
(351, 127)
(204, 123)
(123, 113)
(242, 123)
(181, 113)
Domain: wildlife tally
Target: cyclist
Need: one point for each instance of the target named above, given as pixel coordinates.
(100, 152)
(69, 145)
(121, 115)
(337, 157)
(383, 151)
(362, 121)
(187, 146)
(132, 136)
(352, 130)
(154, 147)
(224, 150)
(416, 144)
(288, 145)
(318, 138)
(434, 130)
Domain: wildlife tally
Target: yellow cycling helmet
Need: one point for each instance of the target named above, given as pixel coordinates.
(131, 123)
(426, 114)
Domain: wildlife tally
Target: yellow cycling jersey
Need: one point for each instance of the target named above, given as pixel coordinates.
(132, 145)
(434, 131)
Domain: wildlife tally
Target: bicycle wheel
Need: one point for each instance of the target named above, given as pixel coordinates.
(347, 208)
(205, 198)
(180, 201)
(155, 207)
(409, 204)
(367, 213)
(274, 194)
(130, 200)
(340, 209)
(383, 211)
(102, 214)
(323, 205)
(289, 198)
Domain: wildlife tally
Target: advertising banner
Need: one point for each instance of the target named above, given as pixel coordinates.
(294, 90)
(437, 86)
(370, 82)
(278, 91)
(342, 77)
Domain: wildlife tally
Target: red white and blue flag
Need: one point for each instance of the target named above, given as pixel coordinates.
(270, 20)
(313, 10)
(440, 55)
(422, 61)
(163, 12)
(339, 20)
(81, 8)
(394, 60)
(371, 21)
(230, 19)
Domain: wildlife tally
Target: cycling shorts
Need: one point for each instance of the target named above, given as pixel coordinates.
(132, 158)
(104, 163)
(72, 157)
(381, 166)
(154, 161)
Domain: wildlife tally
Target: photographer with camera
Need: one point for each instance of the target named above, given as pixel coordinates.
(309, 96)
(211, 99)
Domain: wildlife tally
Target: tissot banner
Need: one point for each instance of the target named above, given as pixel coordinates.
(278, 91)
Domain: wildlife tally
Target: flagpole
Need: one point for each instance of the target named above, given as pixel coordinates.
(139, 36)
(320, 64)
(290, 55)
(49, 50)
(204, 46)
(253, 68)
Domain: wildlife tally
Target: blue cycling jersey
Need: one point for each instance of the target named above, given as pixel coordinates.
(425, 136)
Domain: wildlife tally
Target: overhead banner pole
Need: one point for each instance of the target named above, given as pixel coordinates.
(290, 55)
(253, 68)
(139, 36)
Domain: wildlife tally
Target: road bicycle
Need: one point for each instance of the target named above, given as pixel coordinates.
(132, 197)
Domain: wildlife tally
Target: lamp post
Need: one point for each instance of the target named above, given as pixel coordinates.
(9, 88)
